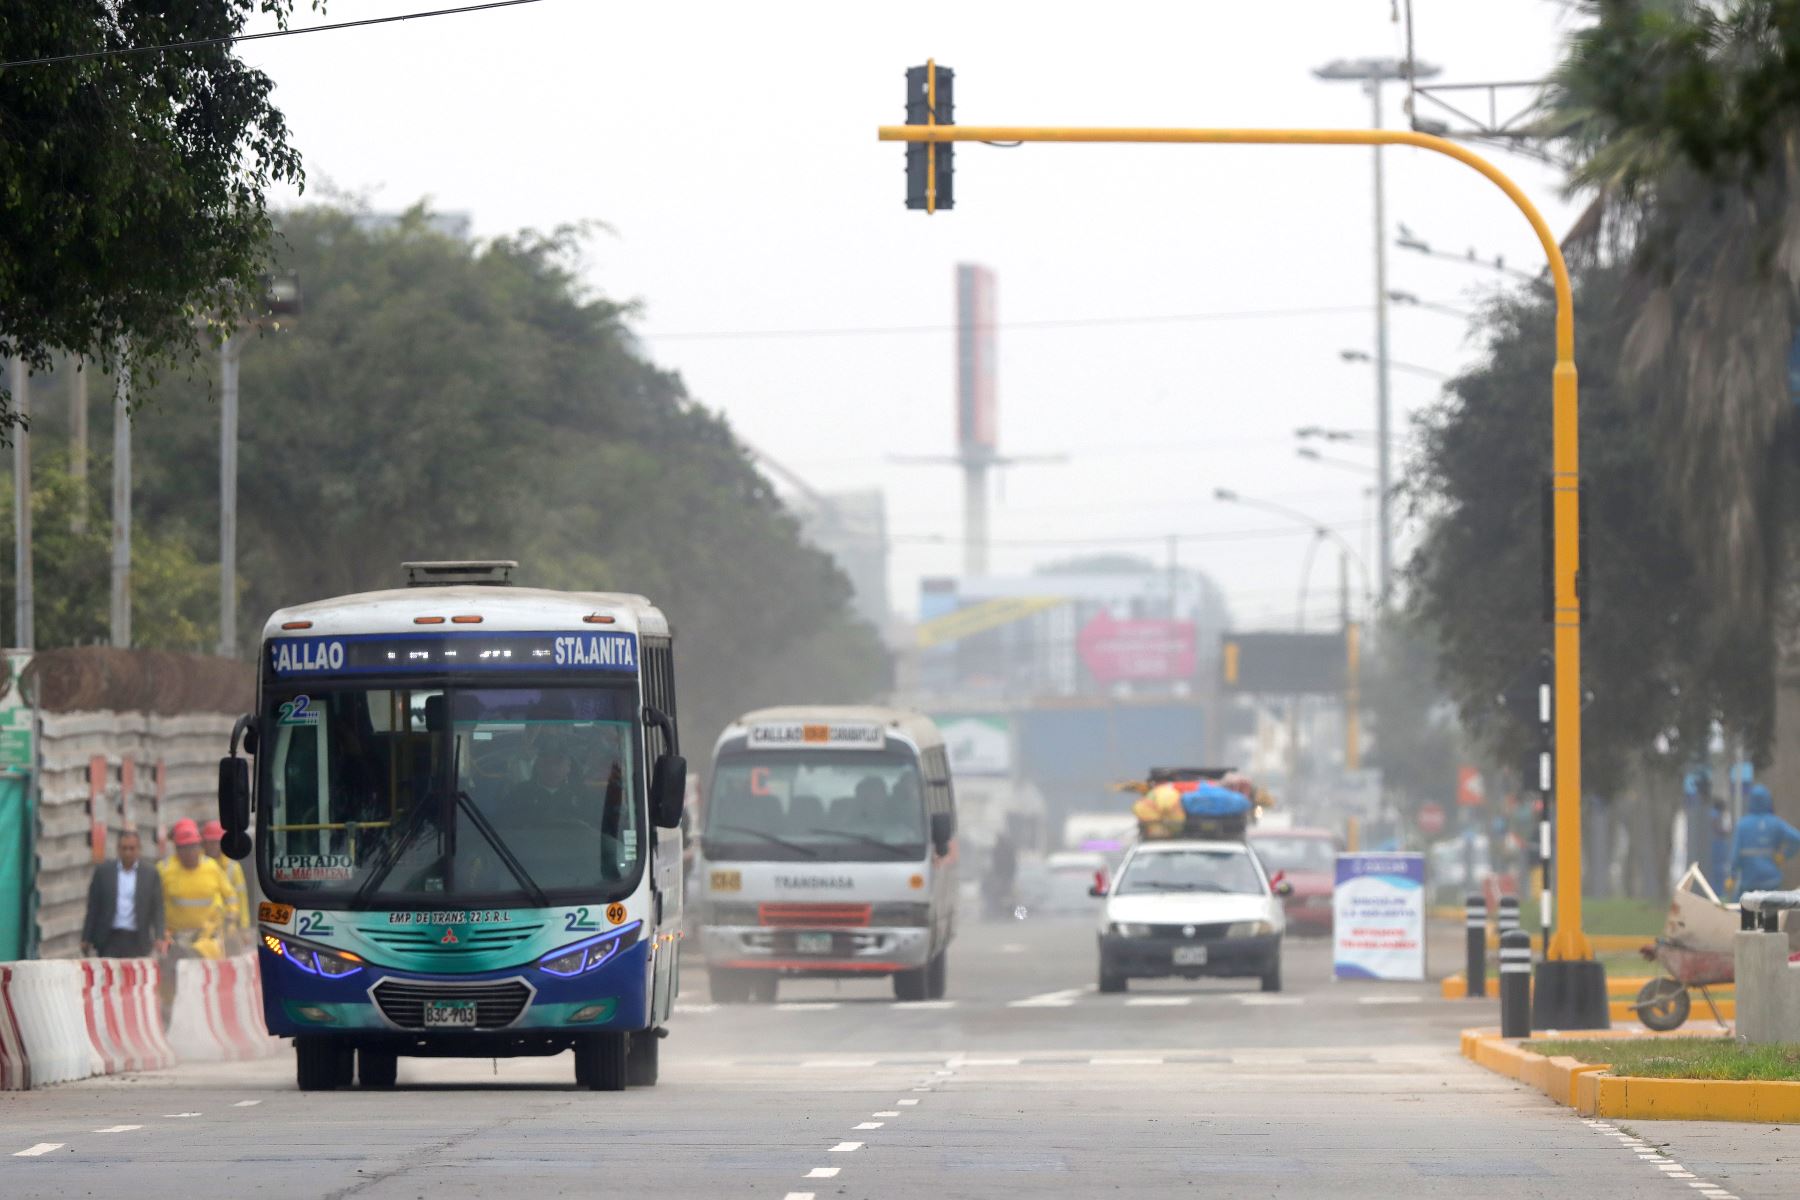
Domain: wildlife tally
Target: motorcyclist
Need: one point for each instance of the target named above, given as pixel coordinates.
(196, 894)
(1759, 846)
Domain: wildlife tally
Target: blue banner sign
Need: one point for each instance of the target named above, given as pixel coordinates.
(1378, 917)
(448, 652)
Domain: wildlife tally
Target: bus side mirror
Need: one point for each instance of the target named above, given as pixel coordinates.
(668, 790)
(943, 828)
(234, 792)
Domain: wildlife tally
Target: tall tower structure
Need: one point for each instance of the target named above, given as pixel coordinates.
(977, 405)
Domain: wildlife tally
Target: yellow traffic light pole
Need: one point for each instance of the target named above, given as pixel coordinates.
(1569, 943)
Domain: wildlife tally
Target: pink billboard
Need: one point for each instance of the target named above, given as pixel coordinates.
(1141, 651)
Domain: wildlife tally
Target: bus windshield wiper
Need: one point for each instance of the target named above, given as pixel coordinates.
(511, 861)
(765, 836)
(897, 850)
(415, 821)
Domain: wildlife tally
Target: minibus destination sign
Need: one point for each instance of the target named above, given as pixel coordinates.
(833, 735)
(437, 652)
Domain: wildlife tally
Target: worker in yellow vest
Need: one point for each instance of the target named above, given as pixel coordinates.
(237, 914)
(196, 894)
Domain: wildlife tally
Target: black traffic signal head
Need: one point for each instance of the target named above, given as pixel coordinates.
(930, 100)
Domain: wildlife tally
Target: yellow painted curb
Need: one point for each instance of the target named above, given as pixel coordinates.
(1456, 987)
(1594, 1092)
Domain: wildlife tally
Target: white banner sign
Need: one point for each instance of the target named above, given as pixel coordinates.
(1378, 917)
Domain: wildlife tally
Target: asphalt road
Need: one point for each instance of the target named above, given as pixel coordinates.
(1024, 1082)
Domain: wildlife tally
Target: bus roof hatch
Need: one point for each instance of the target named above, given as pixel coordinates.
(494, 572)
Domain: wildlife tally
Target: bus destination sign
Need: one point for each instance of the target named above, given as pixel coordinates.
(438, 652)
(820, 735)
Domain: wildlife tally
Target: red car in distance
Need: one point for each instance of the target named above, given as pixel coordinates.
(1306, 858)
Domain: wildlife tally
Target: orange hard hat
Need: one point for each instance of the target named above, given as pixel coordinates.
(186, 833)
(212, 831)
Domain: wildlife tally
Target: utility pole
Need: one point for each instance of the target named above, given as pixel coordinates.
(228, 472)
(121, 499)
(1371, 73)
(23, 636)
(78, 443)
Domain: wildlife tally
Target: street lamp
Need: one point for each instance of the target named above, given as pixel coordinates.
(1412, 301)
(1321, 532)
(1362, 356)
(1372, 73)
(1311, 455)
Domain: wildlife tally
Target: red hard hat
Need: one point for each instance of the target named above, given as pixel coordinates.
(212, 831)
(186, 833)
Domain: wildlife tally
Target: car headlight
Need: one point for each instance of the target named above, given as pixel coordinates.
(1240, 929)
(314, 960)
(1123, 929)
(591, 954)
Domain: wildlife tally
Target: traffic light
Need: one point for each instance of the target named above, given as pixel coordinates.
(929, 169)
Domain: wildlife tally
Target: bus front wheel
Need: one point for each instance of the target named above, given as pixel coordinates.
(318, 1064)
(641, 1058)
(377, 1068)
(914, 984)
(600, 1062)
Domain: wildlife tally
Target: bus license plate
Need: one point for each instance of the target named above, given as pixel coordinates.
(1190, 956)
(812, 943)
(453, 1014)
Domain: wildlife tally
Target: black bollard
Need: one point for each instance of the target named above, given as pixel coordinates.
(1476, 914)
(1508, 919)
(1515, 984)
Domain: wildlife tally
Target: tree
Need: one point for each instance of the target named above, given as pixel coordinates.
(132, 186)
(1684, 119)
(448, 399)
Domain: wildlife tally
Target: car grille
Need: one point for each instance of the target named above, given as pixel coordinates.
(1202, 933)
(497, 1005)
(812, 916)
(424, 941)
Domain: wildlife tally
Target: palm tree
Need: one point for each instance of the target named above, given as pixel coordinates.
(1683, 120)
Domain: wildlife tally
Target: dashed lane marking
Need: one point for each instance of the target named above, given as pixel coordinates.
(694, 1008)
(1125, 1062)
(822, 1173)
(40, 1148)
(1669, 1168)
(1158, 1001)
(247, 1104)
(839, 1062)
(985, 1062)
(1062, 999)
(1388, 999)
(806, 1006)
(886, 1112)
(908, 1102)
(798, 1196)
(923, 1005)
(118, 1129)
(1012, 948)
(868, 1125)
(1257, 1000)
(178, 1116)
(846, 1147)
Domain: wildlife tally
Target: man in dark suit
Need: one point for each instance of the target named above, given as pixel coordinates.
(125, 905)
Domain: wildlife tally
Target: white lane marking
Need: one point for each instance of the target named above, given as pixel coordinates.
(822, 1173)
(906, 1101)
(1158, 1001)
(178, 1116)
(987, 1062)
(1255, 1000)
(118, 1129)
(40, 1148)
(247, 1104)
(839, 1062)
(1012, 948)
(694, 1008)
(1125, 1062)
(1388, 999)
(798, 1196)
(806, 1006)
(886, 1112)
(868, 1125)
(1062, 999)
(846, 1147)
(927, 1005)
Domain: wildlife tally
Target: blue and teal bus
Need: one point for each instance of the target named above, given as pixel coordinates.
(466, 808)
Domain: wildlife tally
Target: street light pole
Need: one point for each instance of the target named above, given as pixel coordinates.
(228, 472)
(121, 499)
(23, 634)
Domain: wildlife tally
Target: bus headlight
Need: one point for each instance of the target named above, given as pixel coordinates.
(314, 960)
(1249, 929)
(591, 954)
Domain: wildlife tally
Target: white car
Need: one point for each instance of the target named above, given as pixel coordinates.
(1191, 908)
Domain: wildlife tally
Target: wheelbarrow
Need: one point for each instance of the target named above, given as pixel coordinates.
(1695, 949)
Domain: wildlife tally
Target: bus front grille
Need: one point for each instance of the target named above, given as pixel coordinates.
(497, 1005)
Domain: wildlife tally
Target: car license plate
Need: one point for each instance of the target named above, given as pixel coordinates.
(453, 1014)
(1190, 956)
(812, 943)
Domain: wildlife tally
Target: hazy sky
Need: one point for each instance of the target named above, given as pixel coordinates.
(731, 149)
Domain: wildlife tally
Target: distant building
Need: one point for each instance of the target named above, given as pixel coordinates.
(852, 528)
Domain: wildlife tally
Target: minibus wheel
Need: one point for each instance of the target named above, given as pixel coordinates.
(641, 1058)
(600, 1062)
(316, 1064)
(377, 1068)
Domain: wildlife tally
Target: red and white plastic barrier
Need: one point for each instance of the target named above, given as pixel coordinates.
(63, 1019)
(218, 1011)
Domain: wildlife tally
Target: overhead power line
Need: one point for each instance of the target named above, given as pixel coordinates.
(1220, 535)
(202, 43)
(1055, 323)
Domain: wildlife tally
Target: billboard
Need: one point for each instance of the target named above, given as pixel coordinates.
(977, 398)
(1151, 650)
(978, 743)
(1283, 663)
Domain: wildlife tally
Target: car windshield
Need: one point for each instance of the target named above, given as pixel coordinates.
(1195, 870)
(844, 805)
(509, 794)
(1295, 853)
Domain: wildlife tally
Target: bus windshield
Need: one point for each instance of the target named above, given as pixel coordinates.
(380, 796)
(796, 806)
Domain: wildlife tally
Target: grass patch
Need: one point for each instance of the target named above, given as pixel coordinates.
(1683, 1058)
(1640, 918)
